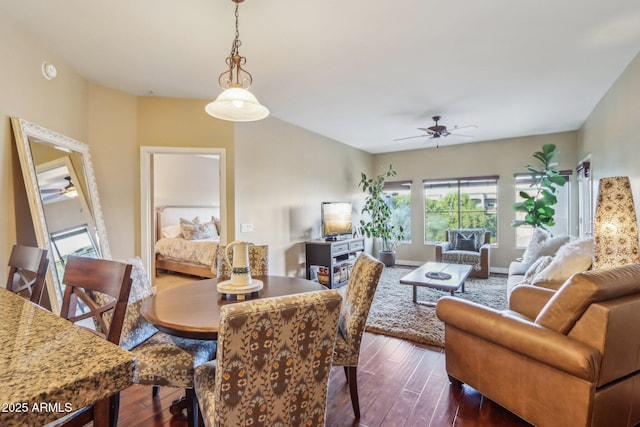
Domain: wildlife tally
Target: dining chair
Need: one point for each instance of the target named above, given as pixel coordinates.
(273, 362)
(83, 278)
(27, 271)
(161, 359)
(359, 294)
(258, 261)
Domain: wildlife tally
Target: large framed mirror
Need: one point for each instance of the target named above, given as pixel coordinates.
(63, 199)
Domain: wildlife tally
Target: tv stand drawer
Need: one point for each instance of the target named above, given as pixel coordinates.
(356, 245)
(337, 248)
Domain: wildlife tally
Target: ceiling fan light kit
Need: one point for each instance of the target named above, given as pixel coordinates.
(236, 103)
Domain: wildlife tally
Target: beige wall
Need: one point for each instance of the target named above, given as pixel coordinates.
(611, 134)
(112, 137)
(170, 122)
(503, 157)
(60, 104)
(283, 173)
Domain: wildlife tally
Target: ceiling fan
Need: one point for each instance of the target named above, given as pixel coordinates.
(439, 131)
(51, 193)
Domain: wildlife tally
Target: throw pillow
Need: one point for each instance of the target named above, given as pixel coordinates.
(535, 268)
(216, 221)
(542, 244)
(172, 231)
(466, 243)
(195, 231)
(461, 239)
(573, 257)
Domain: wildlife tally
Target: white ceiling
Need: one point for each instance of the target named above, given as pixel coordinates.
(361, 72)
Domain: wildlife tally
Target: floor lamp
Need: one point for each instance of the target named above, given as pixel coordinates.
(615, 226)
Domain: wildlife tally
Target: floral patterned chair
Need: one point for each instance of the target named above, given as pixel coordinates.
(353, 317)
(162, 359)
(258, 261)
(471, 246)
(273, 362)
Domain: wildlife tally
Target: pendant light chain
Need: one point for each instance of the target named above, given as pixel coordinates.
(236, 103)
(236, 41)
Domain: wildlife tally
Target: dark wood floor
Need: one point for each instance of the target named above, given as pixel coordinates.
(401, 383)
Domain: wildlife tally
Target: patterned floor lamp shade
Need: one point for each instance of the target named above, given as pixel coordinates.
(615, 225)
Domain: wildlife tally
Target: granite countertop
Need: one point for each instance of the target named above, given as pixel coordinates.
(50, 367)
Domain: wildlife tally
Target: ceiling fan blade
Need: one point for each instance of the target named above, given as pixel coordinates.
(456, 128)
(460, 135)
(410, 137)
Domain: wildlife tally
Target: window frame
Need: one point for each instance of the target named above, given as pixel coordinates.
(404, 186)
(523, 178)
(460, 183)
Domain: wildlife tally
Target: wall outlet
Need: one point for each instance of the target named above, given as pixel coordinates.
(246, 228)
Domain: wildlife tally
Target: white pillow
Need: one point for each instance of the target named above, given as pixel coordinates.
(172, 231)
(573, 257)
(542, 244)
(535, 268)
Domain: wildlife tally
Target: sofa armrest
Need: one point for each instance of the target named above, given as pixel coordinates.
(521, 336)
(440, 249)
(528, 300)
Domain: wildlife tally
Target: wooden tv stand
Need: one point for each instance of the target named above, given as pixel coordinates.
(337, 255)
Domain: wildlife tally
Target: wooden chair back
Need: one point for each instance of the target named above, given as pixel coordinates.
(83, 276)
(27, 271)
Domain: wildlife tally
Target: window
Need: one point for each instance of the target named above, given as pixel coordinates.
(562, 208)
(398, 198)
(460, 203)
(585, 199)
(76, 241)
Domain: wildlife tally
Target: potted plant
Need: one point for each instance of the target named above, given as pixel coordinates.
(537, 204)
(379, 226)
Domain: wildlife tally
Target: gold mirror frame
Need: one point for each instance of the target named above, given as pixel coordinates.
(26, 133)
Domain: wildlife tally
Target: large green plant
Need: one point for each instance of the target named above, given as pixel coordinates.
(537, 204)
(379, 225)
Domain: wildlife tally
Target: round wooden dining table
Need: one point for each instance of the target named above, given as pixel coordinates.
(192, 310)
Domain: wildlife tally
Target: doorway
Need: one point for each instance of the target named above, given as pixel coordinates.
(147, 191)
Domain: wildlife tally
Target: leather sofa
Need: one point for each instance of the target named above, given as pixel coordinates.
(569, 357)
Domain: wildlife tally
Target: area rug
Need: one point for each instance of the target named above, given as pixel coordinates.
(394, 313)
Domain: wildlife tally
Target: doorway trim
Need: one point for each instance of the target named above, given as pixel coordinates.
(146, 204)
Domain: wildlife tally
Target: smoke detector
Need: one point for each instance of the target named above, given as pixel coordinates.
(49, 71)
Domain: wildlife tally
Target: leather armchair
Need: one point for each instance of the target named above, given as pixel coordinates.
(557, 358)
(452, 251)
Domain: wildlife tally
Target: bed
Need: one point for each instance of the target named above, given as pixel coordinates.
(194, 253)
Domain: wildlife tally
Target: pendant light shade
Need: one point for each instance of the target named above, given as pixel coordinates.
(238, 105)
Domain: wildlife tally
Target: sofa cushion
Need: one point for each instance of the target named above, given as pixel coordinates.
(582, 289)
(518, 268)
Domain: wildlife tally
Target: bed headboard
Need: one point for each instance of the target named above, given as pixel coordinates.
(169, 215)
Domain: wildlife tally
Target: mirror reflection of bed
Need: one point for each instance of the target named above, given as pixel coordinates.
(189, 248)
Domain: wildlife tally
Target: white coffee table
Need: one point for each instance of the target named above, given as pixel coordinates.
(458, 274)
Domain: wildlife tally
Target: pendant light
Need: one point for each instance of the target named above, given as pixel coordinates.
(236, 103)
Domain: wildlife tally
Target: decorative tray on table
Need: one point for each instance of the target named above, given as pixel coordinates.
(437, 275)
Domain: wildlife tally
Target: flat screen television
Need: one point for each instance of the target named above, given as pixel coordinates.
(336, 220)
